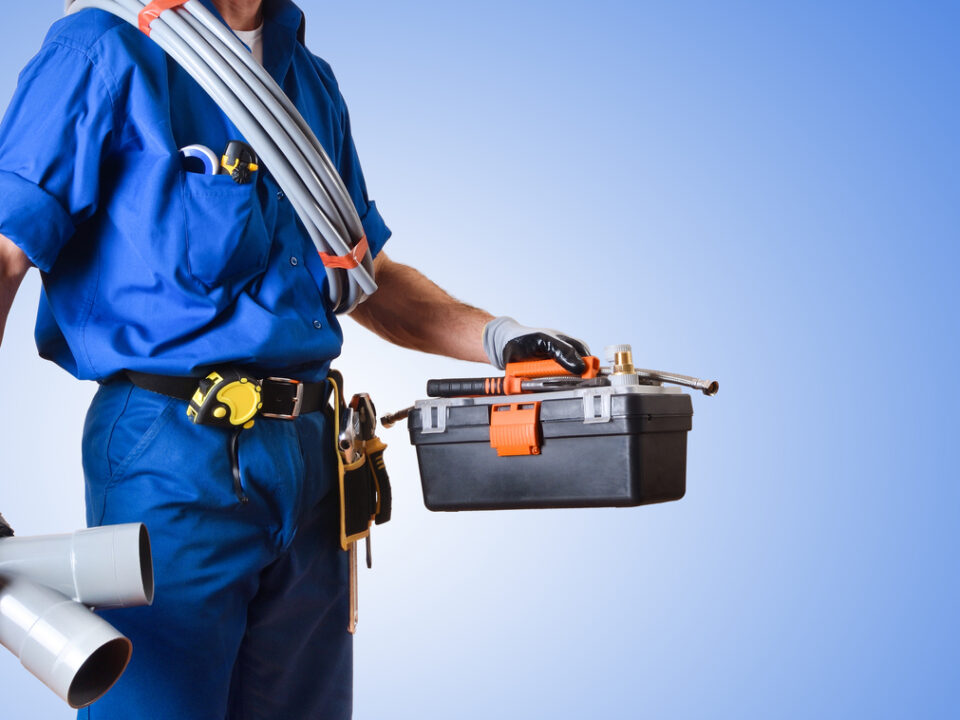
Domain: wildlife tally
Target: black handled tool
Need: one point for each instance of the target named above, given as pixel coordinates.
(466, 387)
(239, 161)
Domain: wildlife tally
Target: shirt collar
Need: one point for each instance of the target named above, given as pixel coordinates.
(283, 28)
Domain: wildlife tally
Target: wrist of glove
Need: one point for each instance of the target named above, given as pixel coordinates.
(505, 341)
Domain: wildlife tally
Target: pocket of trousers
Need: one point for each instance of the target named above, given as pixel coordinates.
(141, 417)
(135, 428)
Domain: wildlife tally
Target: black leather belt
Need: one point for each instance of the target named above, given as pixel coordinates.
(282, 398)
(230, 398)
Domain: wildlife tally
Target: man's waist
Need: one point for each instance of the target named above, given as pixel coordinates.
(230, 396)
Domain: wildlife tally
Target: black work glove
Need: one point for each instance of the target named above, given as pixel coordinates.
(5, 530)
(505, 341)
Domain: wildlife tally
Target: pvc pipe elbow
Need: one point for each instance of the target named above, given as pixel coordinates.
(103, 567)
(75, 653)
(113, 566)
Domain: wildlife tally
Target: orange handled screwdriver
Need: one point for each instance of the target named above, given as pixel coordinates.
(520, 377)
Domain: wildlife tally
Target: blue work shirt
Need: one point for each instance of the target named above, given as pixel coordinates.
(148, 267)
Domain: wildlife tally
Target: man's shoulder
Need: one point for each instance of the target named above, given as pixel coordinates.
(88, 31)
(327, 78)
(322, 67)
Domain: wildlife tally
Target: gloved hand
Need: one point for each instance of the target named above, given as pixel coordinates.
(5, 530)
(505, 341)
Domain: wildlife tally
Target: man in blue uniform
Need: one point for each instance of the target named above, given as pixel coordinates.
(150, 269)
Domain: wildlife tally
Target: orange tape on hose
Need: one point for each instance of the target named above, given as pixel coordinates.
(152, 11)
(349, 261)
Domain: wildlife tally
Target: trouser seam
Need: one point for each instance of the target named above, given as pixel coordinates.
(113, 429)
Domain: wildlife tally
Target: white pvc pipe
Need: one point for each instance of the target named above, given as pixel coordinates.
(239, 89)
(207, 53)
(208, 59)
(270, 126)
(315, 222)
(324, 176)
(72, 651)
(197, 15)
(103, 567)
(267, 91)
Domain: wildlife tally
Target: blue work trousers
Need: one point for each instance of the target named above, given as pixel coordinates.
(249, 619)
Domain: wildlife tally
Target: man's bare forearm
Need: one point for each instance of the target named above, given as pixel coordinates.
(13, 266)
(412, 311)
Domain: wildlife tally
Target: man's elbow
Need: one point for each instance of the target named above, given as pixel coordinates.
(14, 263)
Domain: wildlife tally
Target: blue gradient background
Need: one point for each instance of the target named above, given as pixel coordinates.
(765, 193)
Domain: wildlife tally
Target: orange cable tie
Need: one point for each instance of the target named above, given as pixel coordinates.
(152, 11)
(349, 261)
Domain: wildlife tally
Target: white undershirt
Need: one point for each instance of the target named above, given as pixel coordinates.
(253, 39)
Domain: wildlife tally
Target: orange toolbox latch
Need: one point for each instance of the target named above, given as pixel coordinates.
(515, 429)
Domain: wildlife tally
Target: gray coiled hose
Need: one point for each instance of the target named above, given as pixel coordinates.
(253, 101)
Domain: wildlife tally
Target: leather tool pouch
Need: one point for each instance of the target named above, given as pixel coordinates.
(365, 495)
(374, 451)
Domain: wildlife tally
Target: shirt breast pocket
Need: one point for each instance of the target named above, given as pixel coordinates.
(225, 235)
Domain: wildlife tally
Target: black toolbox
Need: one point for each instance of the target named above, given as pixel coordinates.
(597, 447)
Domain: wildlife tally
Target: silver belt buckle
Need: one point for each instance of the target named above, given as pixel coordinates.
(297, 400)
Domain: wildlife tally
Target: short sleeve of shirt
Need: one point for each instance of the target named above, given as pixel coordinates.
(348, 164)
(52, 142)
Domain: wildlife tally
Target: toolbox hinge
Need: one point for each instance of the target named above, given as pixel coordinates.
(433, 418)
(515, 429)
(597, 406)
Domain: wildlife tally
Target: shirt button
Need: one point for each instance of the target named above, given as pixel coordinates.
(280, 195)
(293, 260)
(317, 324)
